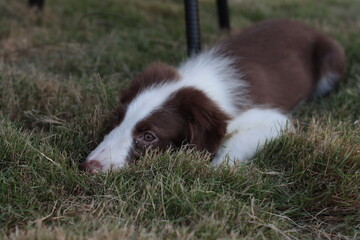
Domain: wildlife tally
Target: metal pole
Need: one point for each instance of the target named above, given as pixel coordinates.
(223, 14)
(36, 3)
(192, 27)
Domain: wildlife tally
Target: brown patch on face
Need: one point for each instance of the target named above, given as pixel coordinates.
(166, 124)
(189, 117)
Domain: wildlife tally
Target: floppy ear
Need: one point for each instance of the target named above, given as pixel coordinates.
(206, 122)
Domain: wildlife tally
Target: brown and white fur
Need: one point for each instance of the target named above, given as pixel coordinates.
(228, 100)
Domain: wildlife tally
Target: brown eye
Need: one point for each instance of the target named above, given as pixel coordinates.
(149, 137)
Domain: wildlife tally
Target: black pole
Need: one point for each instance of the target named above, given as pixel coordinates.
(192, 27)
(223, 14)
(36, 3)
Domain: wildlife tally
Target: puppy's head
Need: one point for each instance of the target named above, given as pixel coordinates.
(158, 111)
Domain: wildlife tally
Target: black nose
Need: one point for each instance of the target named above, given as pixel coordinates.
(92, 166)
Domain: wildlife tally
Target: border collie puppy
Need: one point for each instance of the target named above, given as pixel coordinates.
(228, 100)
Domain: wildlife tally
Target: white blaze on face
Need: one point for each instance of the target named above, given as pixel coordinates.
(114, 150)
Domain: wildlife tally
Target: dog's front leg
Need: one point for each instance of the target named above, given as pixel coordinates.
(248, 133)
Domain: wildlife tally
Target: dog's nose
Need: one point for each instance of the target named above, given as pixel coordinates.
(92, 166)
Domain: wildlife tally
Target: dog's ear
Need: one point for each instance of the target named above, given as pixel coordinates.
(206, 123)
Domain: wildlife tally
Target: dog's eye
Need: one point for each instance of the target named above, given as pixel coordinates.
(149, 137)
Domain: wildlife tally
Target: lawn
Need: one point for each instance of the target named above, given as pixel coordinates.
(60, 73)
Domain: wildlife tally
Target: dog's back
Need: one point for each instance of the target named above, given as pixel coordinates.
(285, 61)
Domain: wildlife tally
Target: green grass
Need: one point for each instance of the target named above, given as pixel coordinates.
(60, 74)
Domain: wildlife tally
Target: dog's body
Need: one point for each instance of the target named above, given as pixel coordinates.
(242, 88)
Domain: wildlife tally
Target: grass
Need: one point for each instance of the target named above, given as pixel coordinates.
(60, 73)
